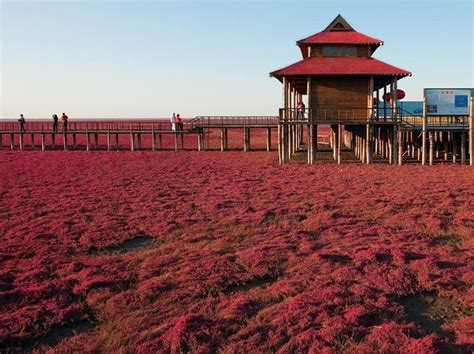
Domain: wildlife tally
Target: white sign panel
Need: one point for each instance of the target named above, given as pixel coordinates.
(447, 102)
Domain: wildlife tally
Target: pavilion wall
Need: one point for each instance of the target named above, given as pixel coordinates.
(344, 93)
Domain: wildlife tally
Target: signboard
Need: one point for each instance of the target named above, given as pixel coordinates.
(447, 102)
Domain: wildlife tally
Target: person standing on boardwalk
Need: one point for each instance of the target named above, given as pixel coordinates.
(64, 119)
(22, 122)
(55, 123)
(173, 121)
(301, 109)
(179, 123)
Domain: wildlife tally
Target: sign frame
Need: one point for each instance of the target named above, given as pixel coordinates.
(462, 110)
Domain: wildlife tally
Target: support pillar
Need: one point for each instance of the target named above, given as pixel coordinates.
(269, 139)
(431, 147)
(368, 143)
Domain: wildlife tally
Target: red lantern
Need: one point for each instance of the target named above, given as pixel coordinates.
(400, 94)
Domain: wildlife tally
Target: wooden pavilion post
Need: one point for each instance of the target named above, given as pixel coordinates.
(400, 146)
(369, 128)
(132, 143)
(471, 132)
(285, 122)
(423, 134)
(32, 141)
(463, 147)
(12, 141)
(339, 139)
(455, 146)
(431, 147)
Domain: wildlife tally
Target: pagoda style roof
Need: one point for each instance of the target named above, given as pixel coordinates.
(339, 66)
(340, 37)
(339, 31)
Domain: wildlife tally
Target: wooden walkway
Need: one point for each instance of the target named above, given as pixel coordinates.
(197, 128)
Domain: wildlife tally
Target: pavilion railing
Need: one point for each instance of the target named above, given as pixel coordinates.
(332, 115)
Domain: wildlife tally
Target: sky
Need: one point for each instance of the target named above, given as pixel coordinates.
(148, 59)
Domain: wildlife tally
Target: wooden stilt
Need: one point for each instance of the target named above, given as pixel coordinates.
(280, 155)
(446, 146)
(96, 140)
(88, 142)
(423, 142)
(269, 139)
(12, 141)
(74, 141)
(153, 139)
(21, 141)
(463, 148)
(65, 139)
(390, 146)
(400, 147)
(175, 142)
(455, 146)
(108, 140)
(431, 147)
(368, 143)
(339, 138)
(32, 141)
(116, 141)
(53, 140)
(43, 145)
(222, 140)
(132, 142)
(471, 133)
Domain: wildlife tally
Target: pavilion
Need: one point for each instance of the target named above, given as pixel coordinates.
(342, 83)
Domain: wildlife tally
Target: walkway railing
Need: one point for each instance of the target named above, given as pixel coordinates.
(233, 121)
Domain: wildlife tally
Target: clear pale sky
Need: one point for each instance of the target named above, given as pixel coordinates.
(152, 58)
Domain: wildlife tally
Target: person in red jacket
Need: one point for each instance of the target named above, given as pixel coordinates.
(179, 123)
(64, 119)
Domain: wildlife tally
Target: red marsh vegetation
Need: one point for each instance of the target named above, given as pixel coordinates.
(230, 252)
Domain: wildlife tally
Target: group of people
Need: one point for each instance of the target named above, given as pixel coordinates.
(176, 122)
(64, 118)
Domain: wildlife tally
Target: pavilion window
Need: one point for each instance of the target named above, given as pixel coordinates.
(348, 52)
(339, 51)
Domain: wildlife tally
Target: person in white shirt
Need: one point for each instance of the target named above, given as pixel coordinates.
(173, 122)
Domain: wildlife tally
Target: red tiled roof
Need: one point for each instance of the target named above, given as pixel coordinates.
(339, 66)
(339, 37)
